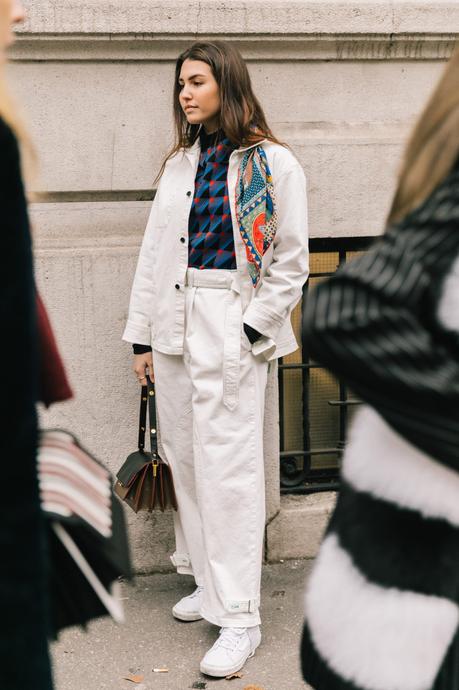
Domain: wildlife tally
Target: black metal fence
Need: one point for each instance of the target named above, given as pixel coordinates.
(314, 407)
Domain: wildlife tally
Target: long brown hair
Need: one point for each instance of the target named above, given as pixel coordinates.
(241, 116)
(434, 145)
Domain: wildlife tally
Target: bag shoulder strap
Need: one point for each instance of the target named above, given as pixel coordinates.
(148, 400)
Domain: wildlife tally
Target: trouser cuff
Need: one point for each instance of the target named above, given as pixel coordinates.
(183, 563)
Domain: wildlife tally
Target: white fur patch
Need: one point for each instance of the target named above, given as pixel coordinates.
(377, 638)
(448, 307)
(379, 461)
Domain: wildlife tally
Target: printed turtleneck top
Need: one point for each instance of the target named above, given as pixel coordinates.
(210, 229)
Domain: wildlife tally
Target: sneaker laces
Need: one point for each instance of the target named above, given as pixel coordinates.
(197, 591)
(229, 638)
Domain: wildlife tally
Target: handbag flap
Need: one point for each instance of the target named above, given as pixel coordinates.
(132, 465)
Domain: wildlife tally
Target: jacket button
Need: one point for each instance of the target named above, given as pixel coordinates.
(177, 286)
(182, 240)
(188, 193)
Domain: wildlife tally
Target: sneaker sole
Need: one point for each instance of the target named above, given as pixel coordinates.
(187, 617)
(219, 673)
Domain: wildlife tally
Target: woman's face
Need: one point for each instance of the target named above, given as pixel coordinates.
(11, 12)
(199, 95)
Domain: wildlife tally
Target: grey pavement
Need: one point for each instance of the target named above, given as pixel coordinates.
(101, 658)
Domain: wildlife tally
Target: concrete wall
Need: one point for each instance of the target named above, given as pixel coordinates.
(340, 81)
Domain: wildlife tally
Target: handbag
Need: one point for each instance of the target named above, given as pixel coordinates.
(145, 481)
(87, 536)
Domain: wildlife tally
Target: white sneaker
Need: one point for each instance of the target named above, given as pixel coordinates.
(231, 651)
(187, 609)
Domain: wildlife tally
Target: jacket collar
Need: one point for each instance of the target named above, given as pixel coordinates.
(252, 146)
(193, 151)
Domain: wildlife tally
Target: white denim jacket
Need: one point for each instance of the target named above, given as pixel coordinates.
(157, 306)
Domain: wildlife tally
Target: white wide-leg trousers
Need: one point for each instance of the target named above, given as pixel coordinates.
(210, 417)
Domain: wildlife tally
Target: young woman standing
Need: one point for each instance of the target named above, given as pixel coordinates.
(222, 265)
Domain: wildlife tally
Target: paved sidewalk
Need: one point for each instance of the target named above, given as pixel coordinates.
(151, 638)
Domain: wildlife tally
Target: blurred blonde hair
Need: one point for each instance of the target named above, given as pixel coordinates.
(434, 145)
(8, 109)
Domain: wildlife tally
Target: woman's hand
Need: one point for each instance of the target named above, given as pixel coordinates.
(143, 366)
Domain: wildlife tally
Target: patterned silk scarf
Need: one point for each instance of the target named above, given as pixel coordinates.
(256, 208)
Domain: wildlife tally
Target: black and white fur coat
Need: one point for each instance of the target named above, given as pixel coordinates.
(382, 604)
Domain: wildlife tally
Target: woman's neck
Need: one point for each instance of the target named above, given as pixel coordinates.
(211, 137)
(211, 127)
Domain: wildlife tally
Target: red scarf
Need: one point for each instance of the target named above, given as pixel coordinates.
(53, 382)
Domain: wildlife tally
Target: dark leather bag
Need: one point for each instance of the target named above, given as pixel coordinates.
(145, 481)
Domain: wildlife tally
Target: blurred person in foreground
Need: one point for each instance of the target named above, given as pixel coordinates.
(382, 602)
(32, 370)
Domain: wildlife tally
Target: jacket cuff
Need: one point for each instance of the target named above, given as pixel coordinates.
(135, 333)
(266, 322)
(265, 347)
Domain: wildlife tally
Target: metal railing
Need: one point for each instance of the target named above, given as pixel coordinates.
(314, 467)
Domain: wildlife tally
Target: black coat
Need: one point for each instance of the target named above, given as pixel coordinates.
(387, 325)
(24, 661)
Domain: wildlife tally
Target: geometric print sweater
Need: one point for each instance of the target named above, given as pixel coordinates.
(210, 229)
(382, 603)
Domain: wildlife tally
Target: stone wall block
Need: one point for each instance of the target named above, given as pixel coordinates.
(298, 529)
(342, 83)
